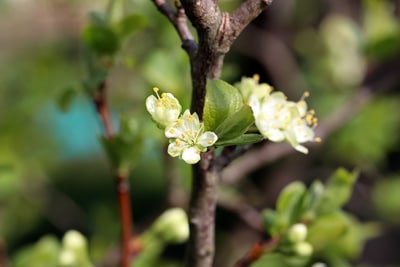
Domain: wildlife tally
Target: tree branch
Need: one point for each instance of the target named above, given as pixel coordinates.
(179, 21)
(202, 214)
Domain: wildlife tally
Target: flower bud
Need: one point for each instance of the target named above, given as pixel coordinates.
(297, 233)
(172, 226)
(303, 248)
(164, 109)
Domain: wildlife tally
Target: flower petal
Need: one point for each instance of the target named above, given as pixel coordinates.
(191, 155)
(151, 103)
(207, 139)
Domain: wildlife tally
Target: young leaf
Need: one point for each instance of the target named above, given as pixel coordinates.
(327, 229)
(235, 124)
(337, 191)
(289, 202)
(66, 97)
(101, 39)
(222, 99)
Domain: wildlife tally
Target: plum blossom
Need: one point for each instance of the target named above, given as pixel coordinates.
(188, 138)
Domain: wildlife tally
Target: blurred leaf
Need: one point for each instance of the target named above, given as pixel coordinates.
(327, 229)
(289, 203)
(366, 139)
(269, 219)
(66, 98)
(337, 192)
(125, 148)
(101, 39)
(280, 260)
(130, 24)
(386, 198)
(42, 254)
(222, 100)
(384, 48)
(235, 125)
(97, 76)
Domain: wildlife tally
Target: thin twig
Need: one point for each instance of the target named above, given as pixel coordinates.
(121, 180)
(122, 185)
(179, 21)
(256, 252)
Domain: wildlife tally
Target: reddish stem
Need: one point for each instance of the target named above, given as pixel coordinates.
(122, 185)
(121, 181)
(100, 100)
(256, 252)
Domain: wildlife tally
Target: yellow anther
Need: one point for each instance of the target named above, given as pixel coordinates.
(317, 139)
(306, 94)
(155, 89)
(312, 111)
(171, 130)
(209, 142)
(177, 142)
(256, 77)
(301, 103)
(309, 119)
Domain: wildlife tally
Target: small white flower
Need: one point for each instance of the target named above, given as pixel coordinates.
(274, 117)
(280, 120)
(188, 138)
(164, 110)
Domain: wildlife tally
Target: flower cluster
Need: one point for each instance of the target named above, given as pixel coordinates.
(186, 133)
(276, 118)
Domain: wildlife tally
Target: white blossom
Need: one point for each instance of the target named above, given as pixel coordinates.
(279, 120)
(188, 138)
(165, 110)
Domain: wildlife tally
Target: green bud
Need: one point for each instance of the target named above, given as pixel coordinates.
(172, 226)
(303, 249)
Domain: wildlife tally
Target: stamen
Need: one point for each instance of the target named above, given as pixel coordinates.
(155, 89)
(317, 139)
(256, 77)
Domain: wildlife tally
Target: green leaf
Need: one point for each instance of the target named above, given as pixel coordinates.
(273, 259)
(66, 97)
(124, 149)
(337, 191)
(241, 140)
(269, 220)
(101, 39)
(235, 124)
(311, 201)
(289, 203)
(96, 77)
(222, 100)
(327, 229)
(129, 25)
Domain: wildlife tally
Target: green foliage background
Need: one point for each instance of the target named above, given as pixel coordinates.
(54, 174)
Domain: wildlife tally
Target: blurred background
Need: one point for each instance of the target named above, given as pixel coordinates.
(55, 176)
